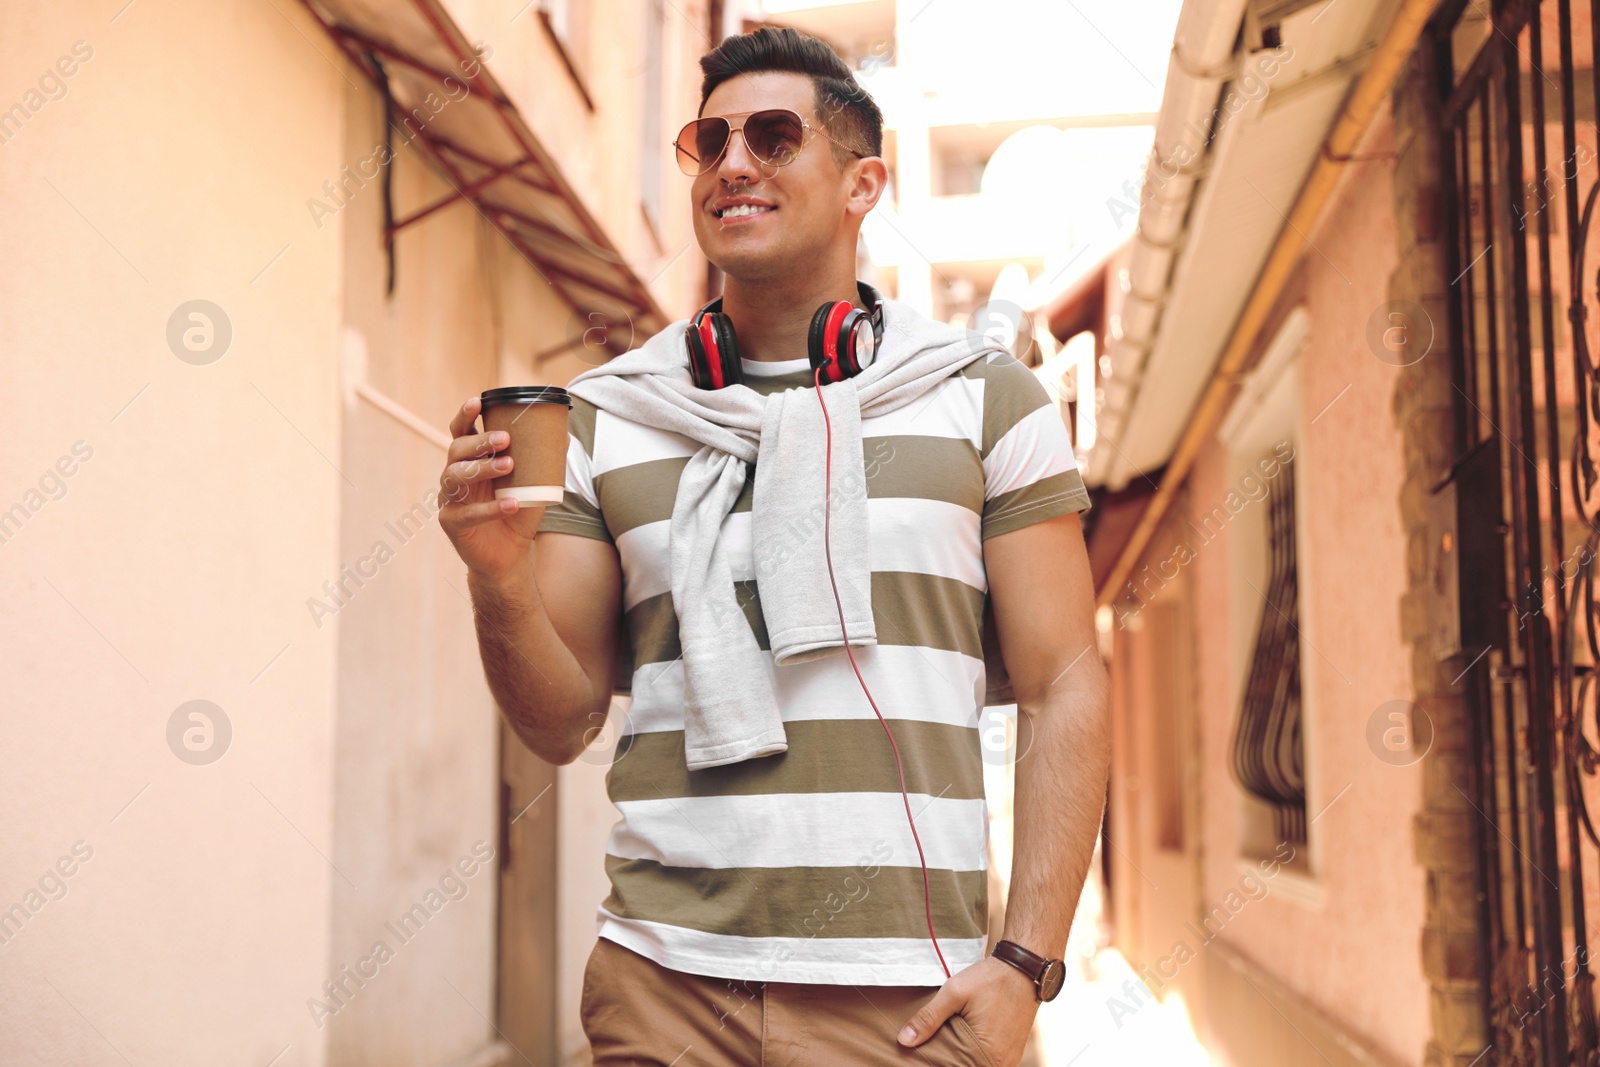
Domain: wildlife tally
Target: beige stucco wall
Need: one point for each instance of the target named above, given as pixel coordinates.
(183, 558)
(176, 565)
(417, 779)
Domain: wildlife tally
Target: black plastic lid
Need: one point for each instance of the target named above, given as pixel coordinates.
(526, 394)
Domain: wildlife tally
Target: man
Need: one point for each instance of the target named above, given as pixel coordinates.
(772, 910)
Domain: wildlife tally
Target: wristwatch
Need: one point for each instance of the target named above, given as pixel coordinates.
(1047, 975)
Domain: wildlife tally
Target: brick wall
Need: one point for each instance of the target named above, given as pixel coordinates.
(1444, 830)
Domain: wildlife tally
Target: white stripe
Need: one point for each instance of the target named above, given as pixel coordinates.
(953, 408)
(772, 368)
(800, 830)
(926, 537)
(866, 961)
(916, 684)
(646, 561)
(646, 556)
(578, 480)
(1036, 447)
(620, 442)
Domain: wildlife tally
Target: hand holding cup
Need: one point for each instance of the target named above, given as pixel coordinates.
(497, 483)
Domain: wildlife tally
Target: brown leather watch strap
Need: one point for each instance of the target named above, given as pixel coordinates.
(1047, 975)
(1027, 962)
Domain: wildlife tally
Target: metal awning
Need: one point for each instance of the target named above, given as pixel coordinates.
(480, 145)
(1207, 226)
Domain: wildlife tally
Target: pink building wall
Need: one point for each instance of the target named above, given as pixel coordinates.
(1356, 951)
(1340, 928)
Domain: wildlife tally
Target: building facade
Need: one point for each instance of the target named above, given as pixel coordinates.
(258, 806)
(1347, 564)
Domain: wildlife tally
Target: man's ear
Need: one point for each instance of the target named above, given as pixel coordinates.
(868, 179)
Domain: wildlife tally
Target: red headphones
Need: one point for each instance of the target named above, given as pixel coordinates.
(842, 341)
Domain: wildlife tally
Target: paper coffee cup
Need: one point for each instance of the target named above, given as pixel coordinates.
(536, 418)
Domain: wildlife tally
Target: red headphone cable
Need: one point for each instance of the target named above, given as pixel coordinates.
(927, 896)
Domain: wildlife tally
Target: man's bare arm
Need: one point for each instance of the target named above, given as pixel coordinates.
(547, 636)
(1043, 596)
(546, 609)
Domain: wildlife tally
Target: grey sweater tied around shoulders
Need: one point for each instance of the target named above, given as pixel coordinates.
(730, 708)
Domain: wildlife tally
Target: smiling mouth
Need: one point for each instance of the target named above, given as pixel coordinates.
(742, 211)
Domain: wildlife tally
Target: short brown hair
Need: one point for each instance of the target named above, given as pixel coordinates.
(843, 106)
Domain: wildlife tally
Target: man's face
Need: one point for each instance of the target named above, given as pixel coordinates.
(801, 208)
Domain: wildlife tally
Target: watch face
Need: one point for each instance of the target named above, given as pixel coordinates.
(1051, 978)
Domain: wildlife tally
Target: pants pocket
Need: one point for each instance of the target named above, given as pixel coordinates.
(969, 1038)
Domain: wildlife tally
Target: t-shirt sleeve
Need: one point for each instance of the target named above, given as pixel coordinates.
(1029, 471)
(579, 510)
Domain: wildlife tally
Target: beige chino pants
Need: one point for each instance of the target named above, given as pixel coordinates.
(637, 1013)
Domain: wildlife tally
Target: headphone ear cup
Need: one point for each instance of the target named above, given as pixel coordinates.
(713, 351)
(699, 371)
(727, 349)
(825, 335)
(815, 343)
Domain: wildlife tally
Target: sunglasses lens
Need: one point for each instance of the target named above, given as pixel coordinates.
(774, 137)
(700, 143)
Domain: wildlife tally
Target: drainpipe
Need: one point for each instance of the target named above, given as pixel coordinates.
(1354, 118)
(1202, 63)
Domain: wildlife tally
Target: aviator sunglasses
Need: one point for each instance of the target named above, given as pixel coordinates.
(774, 137)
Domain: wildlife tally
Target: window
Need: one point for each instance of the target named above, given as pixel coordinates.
(1268, 747)
(567, 23)
(1259, 515)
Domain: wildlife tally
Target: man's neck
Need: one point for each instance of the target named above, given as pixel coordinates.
(772, 321)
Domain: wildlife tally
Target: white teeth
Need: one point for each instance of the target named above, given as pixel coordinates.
(743, 209)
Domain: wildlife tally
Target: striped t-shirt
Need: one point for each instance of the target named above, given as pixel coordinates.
(800, 866)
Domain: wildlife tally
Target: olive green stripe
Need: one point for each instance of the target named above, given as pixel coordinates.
(924, 468)
(977, 369)
(580, 424)
(653, 625)
(907, 466)
(639, 493)
(574, 515)
(747, 495)
(1010, 393)
(926, 610)
(749, 600)
(653, 631)
(867, 901)
(824, 756)
(1046, 498)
